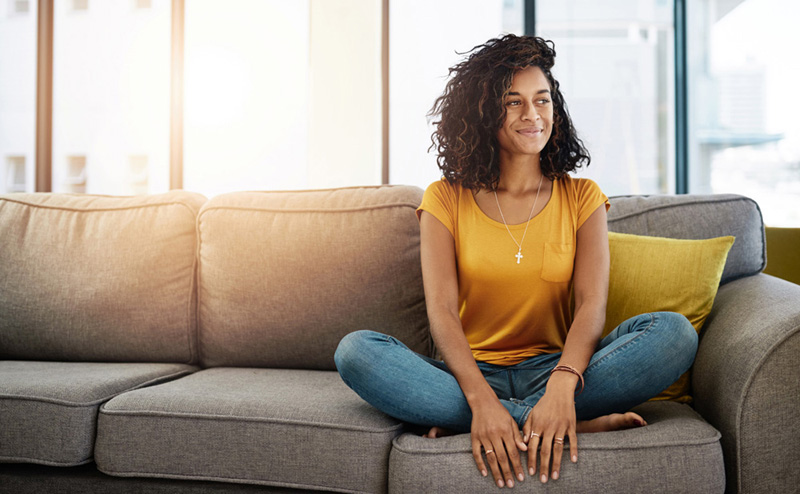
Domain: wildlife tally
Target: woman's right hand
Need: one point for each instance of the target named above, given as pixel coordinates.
(497, 434)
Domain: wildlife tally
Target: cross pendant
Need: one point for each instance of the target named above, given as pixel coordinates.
(519, 256)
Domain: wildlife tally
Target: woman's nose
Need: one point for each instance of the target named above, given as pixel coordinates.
(530, 112)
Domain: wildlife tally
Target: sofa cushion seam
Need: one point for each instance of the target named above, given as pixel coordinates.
(311, 210)
(100, 209)
(96, 402)
(330, 189)
(237, 418)
(699, 442)
(199, 257)
(40, 461)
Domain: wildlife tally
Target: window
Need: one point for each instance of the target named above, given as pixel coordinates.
(426, 39)
(615, 64)
(282, 94)
(742, 82)
(138, 174)
(17, 96)
(111, 95)
(75, 179)
(80, 5)
(18, 7)
(15, 175)
(259, 76)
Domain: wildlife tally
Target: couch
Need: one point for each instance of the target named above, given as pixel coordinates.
(171, 343)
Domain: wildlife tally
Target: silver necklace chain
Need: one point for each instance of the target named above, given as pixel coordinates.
(519, 255)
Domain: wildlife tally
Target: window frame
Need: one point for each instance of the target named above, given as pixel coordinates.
(681, 93)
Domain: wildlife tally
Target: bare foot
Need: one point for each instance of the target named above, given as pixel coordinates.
(612, 422)
(437, 432)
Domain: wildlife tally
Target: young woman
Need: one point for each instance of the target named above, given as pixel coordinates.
(507, 237)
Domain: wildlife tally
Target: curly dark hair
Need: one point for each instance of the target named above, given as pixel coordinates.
(471, 111)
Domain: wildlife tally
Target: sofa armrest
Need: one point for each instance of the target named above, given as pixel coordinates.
(746, 381)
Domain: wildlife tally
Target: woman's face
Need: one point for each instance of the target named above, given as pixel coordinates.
(529, 114)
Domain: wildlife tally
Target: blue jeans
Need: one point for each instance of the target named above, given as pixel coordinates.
(635, 362)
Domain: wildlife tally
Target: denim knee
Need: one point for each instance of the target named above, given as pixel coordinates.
(684, 337)
(352, 347)
(684, 329)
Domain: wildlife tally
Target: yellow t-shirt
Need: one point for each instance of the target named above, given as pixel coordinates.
(511, 312)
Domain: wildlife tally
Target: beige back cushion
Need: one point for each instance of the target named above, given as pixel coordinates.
(283, 276)
(98, 278)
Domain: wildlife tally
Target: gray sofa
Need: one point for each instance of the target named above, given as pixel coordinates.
(171, 343)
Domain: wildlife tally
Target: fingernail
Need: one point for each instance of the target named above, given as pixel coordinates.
(525, 438)
(532, 472)
(544, 478)
(510, 483)
(483, 472)
(555, 475)
(499, 483)
(574, 458)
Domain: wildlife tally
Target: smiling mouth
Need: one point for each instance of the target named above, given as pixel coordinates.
(531, 132)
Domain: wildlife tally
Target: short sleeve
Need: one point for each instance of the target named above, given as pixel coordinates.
(590, 197)
(440, 200)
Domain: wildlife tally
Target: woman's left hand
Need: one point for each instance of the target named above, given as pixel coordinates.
(551, 421)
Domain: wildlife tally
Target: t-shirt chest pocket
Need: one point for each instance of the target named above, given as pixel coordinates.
(557, 262)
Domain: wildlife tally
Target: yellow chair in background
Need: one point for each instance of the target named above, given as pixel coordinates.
(783, 253)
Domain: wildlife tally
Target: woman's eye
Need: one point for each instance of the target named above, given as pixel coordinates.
(544, 101)
(513, 103)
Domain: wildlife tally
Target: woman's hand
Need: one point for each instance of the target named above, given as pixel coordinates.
(494, 430)
(549, 423)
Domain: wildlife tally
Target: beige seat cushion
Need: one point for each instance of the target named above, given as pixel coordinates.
(676, 452)
(48, 410)
(282, 427)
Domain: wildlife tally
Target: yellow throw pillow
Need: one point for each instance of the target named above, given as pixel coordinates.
(652, 274)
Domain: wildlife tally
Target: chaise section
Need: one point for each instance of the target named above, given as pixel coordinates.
(49, 409)
(292, 428)
(677, 452)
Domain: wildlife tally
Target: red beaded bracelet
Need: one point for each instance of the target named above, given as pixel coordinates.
(569, 368)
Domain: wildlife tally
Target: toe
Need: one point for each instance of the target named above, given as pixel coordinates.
(634, 420)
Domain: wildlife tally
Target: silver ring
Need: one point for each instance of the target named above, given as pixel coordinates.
(489, 451)
(535, 434)
(559, 440)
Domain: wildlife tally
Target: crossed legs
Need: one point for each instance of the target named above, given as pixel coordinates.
(638, 360)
